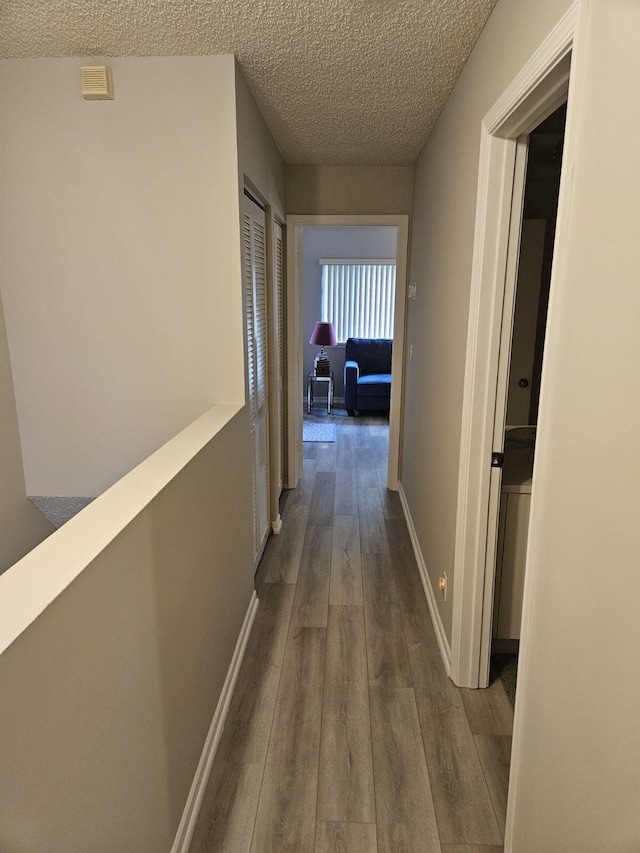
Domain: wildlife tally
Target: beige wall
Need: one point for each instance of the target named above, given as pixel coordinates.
(445, 186)
(258, 156)
(577, 740)
(577, 735)
(107, 697)
(22, 526)
(119, 260)
(344, 190)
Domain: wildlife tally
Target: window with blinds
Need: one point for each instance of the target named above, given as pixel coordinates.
(358, 297)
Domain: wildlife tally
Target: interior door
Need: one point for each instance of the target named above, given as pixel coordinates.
(504, 359)
(255, 303)
(523, 338)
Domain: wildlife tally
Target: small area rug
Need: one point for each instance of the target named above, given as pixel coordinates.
(312, 431)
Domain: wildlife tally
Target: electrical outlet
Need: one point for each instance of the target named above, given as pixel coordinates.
(442, 585)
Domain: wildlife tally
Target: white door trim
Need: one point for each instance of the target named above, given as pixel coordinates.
(276, 380)
(535, 93)
(295, 225)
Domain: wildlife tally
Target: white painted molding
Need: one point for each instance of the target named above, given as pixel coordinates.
(535, 92)
(276, 525)
(513, 113)
(182, 841)
(443, 643)
(460, 637)
(397, 355)
(294, 358)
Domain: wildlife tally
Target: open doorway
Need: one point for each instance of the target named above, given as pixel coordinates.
(525, 345)
(348, 294)
(321, 247)
(540, 88)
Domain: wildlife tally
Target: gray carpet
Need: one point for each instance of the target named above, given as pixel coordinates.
(59, 509)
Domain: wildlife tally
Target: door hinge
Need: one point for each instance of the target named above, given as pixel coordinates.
(497, 460)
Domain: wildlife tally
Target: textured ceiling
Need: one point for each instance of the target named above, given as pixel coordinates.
(338, 81)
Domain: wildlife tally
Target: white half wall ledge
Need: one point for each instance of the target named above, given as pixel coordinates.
(35, 581)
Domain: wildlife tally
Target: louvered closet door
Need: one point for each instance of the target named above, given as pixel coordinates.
(280, 332)
(255, 299)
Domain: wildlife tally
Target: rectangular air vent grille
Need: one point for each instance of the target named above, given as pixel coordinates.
(97, 83)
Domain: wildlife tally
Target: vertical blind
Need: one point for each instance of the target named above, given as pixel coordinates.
(358, 297)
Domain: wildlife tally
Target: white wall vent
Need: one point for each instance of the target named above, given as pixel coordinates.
(97, 82)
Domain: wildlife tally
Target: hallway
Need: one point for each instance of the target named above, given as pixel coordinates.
(344, 734)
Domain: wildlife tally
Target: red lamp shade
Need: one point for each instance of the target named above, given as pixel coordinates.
(323, 335)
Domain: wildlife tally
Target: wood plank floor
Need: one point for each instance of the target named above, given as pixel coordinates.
(344, 734)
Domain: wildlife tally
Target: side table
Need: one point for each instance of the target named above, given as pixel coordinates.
(311, 378)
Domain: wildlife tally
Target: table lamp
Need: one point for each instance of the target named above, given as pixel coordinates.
(323, 336)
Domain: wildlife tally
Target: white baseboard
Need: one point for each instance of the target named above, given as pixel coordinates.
(443, 643)
(191, 811)
(276, 526)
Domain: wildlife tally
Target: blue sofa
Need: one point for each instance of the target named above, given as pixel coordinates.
(367, 375)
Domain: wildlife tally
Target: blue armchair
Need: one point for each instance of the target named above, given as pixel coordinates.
(367, 375)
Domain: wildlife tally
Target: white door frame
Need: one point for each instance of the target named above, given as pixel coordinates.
(295, 226)
(276, 382)
(539, 89)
